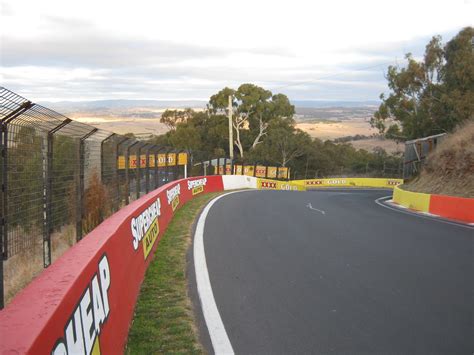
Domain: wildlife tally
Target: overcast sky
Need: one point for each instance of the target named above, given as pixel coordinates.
(310, 50)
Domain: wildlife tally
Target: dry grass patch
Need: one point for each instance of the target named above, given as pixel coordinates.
(449, 169)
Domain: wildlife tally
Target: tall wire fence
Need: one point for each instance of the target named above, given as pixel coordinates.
(60, 179)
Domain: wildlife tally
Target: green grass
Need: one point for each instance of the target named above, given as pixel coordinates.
(164, 321)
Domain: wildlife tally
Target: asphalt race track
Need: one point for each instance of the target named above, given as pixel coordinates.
(332, 272)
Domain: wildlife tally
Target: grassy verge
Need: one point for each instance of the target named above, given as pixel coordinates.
(163, 321)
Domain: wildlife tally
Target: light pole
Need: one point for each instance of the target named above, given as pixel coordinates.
(231, 132)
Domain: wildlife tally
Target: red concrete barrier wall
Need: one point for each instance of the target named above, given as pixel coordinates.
(458, 208)
(83, 303)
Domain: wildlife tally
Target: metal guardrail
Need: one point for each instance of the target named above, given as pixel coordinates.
(416, 151)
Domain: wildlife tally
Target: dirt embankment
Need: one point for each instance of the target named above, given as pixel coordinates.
(449, 169)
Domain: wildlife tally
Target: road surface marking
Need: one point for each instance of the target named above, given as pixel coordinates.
(220, 340)
(314, 209)
(403, 209)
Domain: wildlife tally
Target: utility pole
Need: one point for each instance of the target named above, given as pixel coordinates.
(231, 132)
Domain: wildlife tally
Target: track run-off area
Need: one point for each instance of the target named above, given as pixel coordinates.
(331, 271)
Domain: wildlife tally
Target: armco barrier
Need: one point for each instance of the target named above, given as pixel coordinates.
(83, 303)
(458, 208)
(349, 182)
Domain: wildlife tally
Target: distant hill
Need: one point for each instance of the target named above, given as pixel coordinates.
(100, 105)
(113, 105)
(326, 104)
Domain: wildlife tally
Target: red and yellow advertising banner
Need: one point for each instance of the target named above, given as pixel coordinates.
(260, 171)
(272, 172)
(283, 173)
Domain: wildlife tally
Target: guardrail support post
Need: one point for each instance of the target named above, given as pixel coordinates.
(118, 201)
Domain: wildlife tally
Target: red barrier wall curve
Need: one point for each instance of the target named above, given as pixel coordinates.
(83, 303)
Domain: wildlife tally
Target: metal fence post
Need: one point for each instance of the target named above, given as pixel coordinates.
(127, 173)
(47, 195)
(138, 174)
(116, 177)
(102, 157)
(147, 170)
(156, 178)
(4, 205)
(80, 201)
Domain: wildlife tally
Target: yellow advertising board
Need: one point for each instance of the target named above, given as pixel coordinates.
(283, 173)
(173, 158)
(350, 182)
(182, 159)
(272, 172)
(260, 171)
(248, 170)
(238, 169)
(267, 184)
(121, 162)
(151, 160)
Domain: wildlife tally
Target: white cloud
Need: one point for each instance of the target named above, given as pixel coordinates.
(189, 49)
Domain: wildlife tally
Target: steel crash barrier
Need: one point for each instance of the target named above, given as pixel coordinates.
(457, 208)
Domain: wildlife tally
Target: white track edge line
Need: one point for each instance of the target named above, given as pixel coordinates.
(215, 326)
(419, 215)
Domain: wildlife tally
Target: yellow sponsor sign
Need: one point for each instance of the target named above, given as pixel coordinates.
(121, 162)
(238, 169)
(350, 182)
(175, 203)
(248, 170)
(150, 237)
(272, 172)
(182, 158)
(161, 160)
(197, 190)
(260, 171)
(283, 173)
(151, 160)
(171, 159)
(267, 184)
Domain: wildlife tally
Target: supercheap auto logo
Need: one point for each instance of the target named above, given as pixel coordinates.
(197, 186)
(145, 227)
(82, 330)
(172, 196)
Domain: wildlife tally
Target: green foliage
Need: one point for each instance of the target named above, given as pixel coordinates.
(429, 96)
(264, 130)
